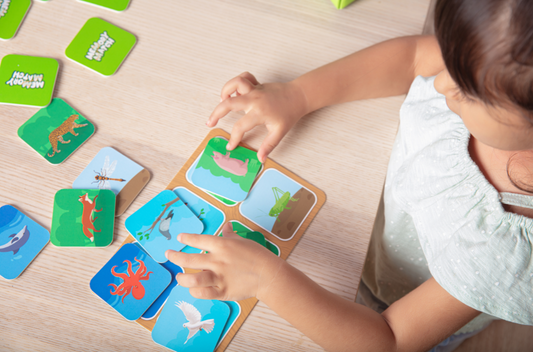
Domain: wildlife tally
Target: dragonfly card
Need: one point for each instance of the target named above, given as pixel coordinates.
(111, 170)
(116, 5)
(101, 46)
(56, 131)
(21, 240)
(83, 218)
(190, 324)
(12, 12)
(130, 281)
(278, 204)
(255, 236)
(158, 223)
(27, 80)
(229, 174)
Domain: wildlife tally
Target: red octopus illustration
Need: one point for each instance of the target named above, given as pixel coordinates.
(132, 281)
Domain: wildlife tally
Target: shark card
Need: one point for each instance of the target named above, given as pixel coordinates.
(116, 5)
(12, 12)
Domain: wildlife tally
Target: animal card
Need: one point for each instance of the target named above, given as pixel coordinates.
(130, 281)
(21, 240)
(116, 5)
(234, 313)
(12, 12)
(212, 217)
(56, 131)
(258, 237)
(190, 324)
(229, 174)
(101, 46)
(278, 204)
(27, 80)
(83, 218)
(111, 170)
(158, 223)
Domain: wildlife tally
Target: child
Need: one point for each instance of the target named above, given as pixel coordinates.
(452, 250)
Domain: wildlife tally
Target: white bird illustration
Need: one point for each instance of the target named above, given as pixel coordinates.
(194, 317)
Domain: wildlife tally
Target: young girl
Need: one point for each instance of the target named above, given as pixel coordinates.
(452, 250)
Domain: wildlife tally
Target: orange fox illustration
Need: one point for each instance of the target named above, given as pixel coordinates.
(86, 219)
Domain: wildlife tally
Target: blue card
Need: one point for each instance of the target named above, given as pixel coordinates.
(21, 239)
(130, 281)
(212, 217)
(190, 324)
(235, 312)
(158, 223)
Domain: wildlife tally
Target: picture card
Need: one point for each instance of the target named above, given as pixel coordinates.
(212, 217)
(56, 131)
(112, 170)
(157, 224)
(229, 174)
(234, 313)
(101, 46)
(12, 13)
(246, 232)
(27, 80)
(130, 281)
(278, 204)
(116, 5)
(190, 324)
(83, 218)
(21, 240)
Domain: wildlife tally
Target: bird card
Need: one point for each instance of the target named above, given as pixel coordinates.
(112, 170)
(101, 46)
(229, 174)
(12, 13)
(190, 324)
(255, 236)
(278, 204)
(21, 240)
(115, 5)
(83, 218)
(130, 281)
(212, 217)
(158, 223)
(27, 80)
(56, 131)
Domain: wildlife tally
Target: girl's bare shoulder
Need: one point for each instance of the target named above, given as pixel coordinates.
(428, 59)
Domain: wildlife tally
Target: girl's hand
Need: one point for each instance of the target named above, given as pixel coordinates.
(278, 106)
(233, 269)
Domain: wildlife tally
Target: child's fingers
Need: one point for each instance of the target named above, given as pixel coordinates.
(204, 278)
(245, 124)
(222, 109)
(188, 260)
(227, 231)
(204, 242)
(205, 292)
(271, 141)
(238, 84)
(249, 77)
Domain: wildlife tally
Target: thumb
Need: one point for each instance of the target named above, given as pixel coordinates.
(227, 231)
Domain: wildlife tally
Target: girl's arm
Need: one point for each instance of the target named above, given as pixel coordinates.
(237, 268)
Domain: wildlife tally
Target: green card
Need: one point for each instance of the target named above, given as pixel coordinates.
(12, 12)
(83, 218)
(56, 131)
(27, 80)
(117, 5)
(100, 46)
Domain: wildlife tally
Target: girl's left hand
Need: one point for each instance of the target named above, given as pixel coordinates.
(234, 268)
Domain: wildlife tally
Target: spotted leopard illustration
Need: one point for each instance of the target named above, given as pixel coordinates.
(57, 135)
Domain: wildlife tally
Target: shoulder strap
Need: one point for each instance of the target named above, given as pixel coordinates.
(519, 200)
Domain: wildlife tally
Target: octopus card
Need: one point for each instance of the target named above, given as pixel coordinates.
(27, 80)
(83, 218)
(190, 324)
(116, 5)
(278, 204)
(130, 281)
(21, 240)
(56, 131)
(158, 223)
(12, 12)
(229, 174)
(255, 236)
(111, 170)
(212, 217)
(101, 46)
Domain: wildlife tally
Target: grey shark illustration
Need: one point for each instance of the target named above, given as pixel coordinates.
(164, 225)
(17, 240)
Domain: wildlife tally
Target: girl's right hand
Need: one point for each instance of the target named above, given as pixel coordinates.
(276, 105)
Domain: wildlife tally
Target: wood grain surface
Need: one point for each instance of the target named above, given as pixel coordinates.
(154, 109)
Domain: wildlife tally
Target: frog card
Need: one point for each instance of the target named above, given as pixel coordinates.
(56, 131)
(83, 218)
(12, 13)
(255, 236)
(130, 281)
(278, 204)
(112, 170)
(27, 80)
(100, 46)
(212, 217)
(229, 174)
(157, 224)
(115, 5)
(190, 324)
(21, 240)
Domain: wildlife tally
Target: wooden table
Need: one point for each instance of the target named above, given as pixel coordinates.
(154, 111)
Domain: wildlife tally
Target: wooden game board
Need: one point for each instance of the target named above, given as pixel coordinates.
(233, 213)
